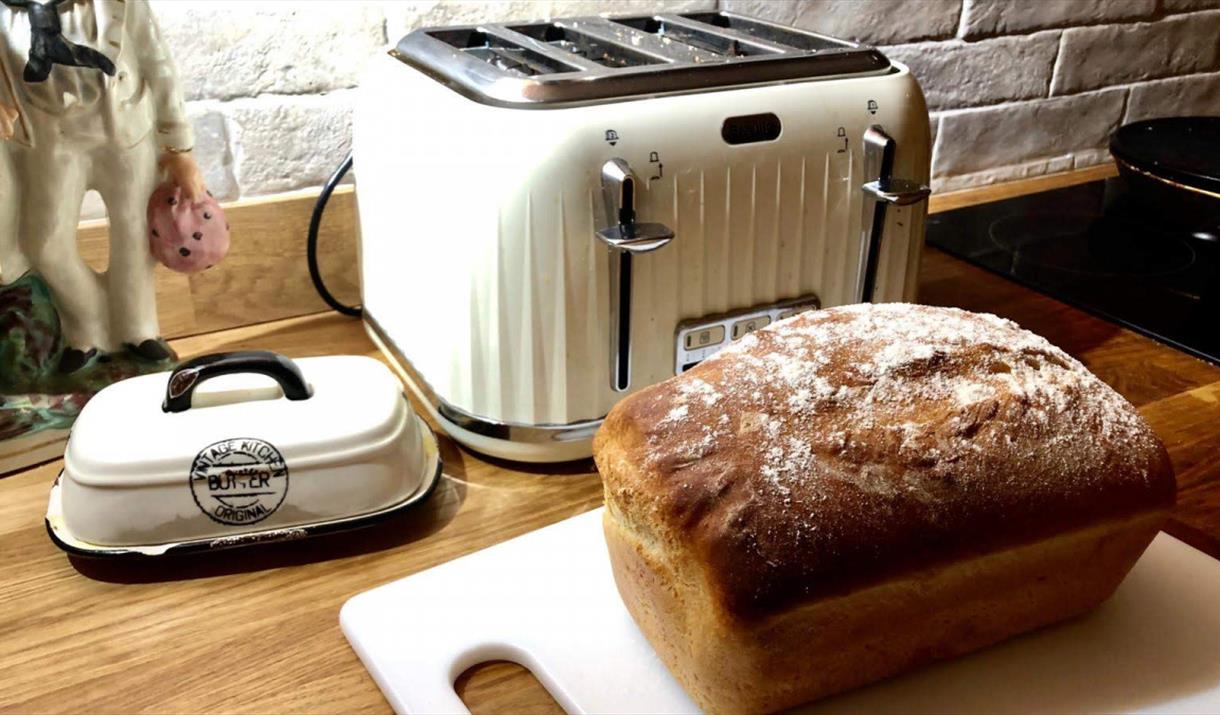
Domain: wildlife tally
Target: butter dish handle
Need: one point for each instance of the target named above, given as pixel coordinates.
(191, 374)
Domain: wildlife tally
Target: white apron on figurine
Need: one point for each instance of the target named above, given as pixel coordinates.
(89, 99)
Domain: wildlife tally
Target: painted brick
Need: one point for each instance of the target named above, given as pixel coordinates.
(236, 48)
(212, 151)
(1181, 96)
(983, 18)
(966, 74)
(267, 78)
(877, 22)
(975, 140)
(284, 143)
(1091, 157)
(92, 206)
(1008, 172)
(1095, 57)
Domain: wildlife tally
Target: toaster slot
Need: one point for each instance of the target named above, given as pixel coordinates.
(768, 33)
(626, 238)
(620, 367)
(503, 53)
(600, 49)
(697, 37)
(578, 60)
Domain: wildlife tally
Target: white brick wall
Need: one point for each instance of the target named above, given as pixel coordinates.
(1019, 88)
(1016, 87)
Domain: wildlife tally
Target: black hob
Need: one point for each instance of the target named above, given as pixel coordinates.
(1092, 247)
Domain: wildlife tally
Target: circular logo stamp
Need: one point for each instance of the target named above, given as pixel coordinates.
(239, 481)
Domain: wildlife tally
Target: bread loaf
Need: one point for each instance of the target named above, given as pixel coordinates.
(854, 492)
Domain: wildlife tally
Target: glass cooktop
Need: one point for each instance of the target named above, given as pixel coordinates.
(1092, 247)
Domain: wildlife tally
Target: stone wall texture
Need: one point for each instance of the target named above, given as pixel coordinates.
(1015, 87)
(1018, 88)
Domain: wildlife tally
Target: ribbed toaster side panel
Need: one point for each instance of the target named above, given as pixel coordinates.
(538, 346)
(747, 234)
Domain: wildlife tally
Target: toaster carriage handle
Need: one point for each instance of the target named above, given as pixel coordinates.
(880, 191)
(193, 373)
(625, 238)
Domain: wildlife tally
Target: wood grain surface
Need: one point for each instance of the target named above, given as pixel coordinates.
(1008, 189)
(258, 632)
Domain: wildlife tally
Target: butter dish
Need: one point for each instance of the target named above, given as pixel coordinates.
(240, 448)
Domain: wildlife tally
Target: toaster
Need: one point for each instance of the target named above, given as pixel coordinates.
(553, 214)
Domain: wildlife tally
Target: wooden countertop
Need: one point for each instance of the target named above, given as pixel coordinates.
(259, 631)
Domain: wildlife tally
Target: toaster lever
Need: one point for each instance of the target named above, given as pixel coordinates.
(625, 238)
(899, 192)
(618, 194)
(881, 190)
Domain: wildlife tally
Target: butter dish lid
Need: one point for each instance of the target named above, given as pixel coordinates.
(142, 430)
(240, 448)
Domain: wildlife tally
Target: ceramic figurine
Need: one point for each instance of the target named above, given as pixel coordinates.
(89, 99)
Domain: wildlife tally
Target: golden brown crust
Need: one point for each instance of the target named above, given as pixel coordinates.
(852, 445)
(833, 644)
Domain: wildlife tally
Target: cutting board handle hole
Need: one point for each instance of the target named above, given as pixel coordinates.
(502, 686)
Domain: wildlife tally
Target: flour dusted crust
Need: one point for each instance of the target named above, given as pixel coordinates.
(851, 449)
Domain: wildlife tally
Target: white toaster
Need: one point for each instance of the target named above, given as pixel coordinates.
(556, 214)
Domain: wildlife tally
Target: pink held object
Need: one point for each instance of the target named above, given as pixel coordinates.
(186, 236)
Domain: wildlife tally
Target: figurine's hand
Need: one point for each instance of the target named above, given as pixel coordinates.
(8, 122)
(184, 172)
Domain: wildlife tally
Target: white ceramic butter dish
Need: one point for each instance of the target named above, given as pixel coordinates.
(268, 449)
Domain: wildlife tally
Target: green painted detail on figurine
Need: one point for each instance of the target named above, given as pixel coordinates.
(34, 394)
(29, 334)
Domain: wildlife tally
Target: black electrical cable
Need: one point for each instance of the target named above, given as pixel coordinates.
(311, 243)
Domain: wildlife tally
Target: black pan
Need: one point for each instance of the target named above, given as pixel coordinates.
(1172, 168)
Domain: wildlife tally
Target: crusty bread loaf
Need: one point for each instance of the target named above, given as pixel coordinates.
(857, 491)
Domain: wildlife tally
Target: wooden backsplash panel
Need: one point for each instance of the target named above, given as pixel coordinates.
(265, 276)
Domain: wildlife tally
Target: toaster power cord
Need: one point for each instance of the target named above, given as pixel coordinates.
(311, 242)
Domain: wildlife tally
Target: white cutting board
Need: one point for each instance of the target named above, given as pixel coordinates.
(547, 600)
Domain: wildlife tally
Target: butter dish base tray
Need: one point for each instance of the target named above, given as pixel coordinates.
(270, 449)
(64, 539)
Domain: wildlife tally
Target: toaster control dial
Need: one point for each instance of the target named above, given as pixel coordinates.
(625, 237)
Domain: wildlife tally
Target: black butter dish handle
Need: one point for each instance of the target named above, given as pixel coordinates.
(191, 374)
